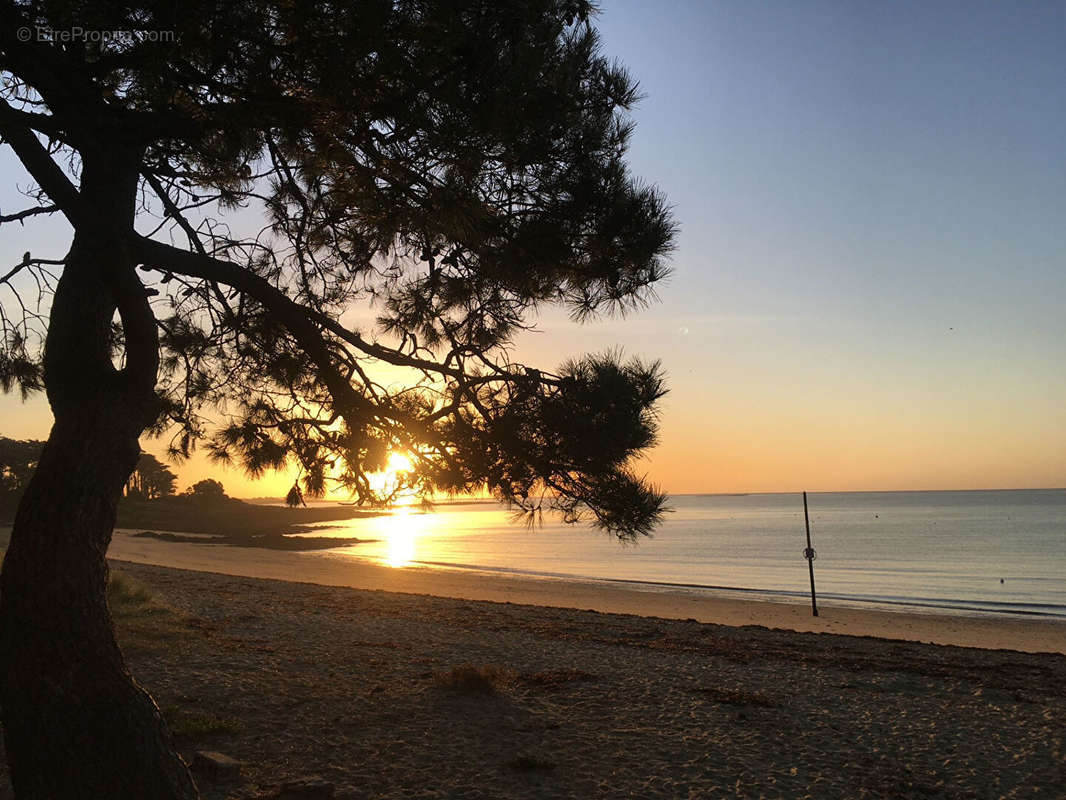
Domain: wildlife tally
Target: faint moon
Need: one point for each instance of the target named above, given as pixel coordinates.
(683, 331)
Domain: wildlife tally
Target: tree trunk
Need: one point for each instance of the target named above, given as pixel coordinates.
(76, 725)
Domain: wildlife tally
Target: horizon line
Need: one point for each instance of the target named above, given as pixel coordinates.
(472, 498)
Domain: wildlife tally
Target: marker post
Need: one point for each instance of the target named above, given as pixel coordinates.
(810, 555)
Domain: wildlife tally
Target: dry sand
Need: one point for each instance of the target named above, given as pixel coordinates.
(1011, 633)
(353, 686)
(358, 686)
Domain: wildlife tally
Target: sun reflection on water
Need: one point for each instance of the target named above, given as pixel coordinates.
(401, 530)
(410, 535)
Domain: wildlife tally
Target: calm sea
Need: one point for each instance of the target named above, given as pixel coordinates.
(968, 552)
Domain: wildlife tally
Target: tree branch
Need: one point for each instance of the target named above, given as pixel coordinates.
(295, 318)
(29, 212)
(39, 164)
(141, 334)
(196, 265)
(43, 123)
(30, 262)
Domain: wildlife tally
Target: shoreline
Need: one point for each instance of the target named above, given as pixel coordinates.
(979, 630)
(919, 606)
(1024, 634)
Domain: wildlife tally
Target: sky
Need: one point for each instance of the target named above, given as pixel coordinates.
(870, 281)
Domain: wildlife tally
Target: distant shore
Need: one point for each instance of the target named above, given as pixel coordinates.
(228, 521)
(228, 517)
(225, 517)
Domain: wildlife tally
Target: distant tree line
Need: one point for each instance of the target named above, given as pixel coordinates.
(207, 489)
(151, 479)
(18, 460)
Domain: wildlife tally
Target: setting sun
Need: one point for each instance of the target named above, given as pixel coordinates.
(391, 480)
(398, 462)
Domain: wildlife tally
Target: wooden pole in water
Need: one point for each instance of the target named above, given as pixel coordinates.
(810, 555)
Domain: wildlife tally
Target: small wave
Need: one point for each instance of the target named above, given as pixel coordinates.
(917, 604)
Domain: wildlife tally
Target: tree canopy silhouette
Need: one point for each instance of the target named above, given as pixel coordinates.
(234, 189)
(207, 489)
(18, 459)
(151, 479)
(295, 497)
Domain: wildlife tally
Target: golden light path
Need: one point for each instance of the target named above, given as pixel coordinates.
(406, 533)
(402, 527)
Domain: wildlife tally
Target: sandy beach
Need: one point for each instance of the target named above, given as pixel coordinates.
(590, 702)
(367, 690)
(434, 684)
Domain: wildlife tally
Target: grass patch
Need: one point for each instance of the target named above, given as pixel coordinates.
(739, 697)
(141, 618)
(198, 725)
(127, 594)
(472, 679)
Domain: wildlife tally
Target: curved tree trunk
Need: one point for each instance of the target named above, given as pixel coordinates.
(76, 725)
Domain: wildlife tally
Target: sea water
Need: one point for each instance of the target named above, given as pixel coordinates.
(966, 552)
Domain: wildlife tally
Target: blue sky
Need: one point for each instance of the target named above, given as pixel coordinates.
(872, 199)
(869, 287)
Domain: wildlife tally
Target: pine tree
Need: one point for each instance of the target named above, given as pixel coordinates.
(151, 479)
(458, 165)
(295, 497)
